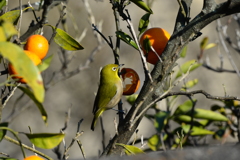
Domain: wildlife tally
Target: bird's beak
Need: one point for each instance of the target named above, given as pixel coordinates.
(120, 65)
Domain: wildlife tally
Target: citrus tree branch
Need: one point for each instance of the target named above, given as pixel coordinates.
(33, 28)
(151, 91)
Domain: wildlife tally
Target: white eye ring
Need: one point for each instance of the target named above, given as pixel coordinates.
(114, 68)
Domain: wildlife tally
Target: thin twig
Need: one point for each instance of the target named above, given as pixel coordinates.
(27, 147)
(63, 13)
(81, 148)
(10, 95)
(20, 18)
(144, 61)
(103, 133)
(227, 50)
(78, 134)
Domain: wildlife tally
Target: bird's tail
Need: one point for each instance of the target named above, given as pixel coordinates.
(96, 116)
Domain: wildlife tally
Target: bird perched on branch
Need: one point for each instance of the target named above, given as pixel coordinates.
(109, 91)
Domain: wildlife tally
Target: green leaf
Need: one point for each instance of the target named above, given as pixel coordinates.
(154, 142)
(142, 5)
(7, 158)
(187, 119)
(209, 115)
(160, 120)
(2, 4)
(65, 41)
(183, 52)
(45, 140)
(147, 45)
(196, 131)
(24, 67)
(131, 99)
(11, 16)
(38, 104)
(3, 37)
(45, 63)
(143, 23)
(185, 67)
(127, 39)
(205, 122)
(183, 118)
(3, 132)
(204, 43)
(184, 108)
(7, 30)
(190, 84)
(129, 149)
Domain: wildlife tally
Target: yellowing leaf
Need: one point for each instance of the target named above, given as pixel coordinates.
(154, 142)
(3, 37)
(204, 43)
(190, 84)
(129, 149)
(24, 67)
(7, 30)
(45, 140)
(210, 45)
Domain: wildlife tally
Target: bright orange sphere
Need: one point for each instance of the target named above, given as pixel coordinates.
(36, 60)
(37, 44)
(158, 39)
(128, 73)
(33, 157)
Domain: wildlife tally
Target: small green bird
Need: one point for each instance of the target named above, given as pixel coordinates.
(109, 91)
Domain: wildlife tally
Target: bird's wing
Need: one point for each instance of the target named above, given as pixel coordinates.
(102, 101)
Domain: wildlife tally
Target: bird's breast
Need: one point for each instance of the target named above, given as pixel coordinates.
(114, 101)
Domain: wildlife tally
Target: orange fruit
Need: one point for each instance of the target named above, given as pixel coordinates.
(33, 157)
(158, 39)
(37, 44)
(36, 60)
(128, 73)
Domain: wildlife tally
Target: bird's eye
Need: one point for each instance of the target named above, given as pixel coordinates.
(114, 68)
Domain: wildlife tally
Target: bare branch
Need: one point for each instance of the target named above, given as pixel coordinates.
(207, 95)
